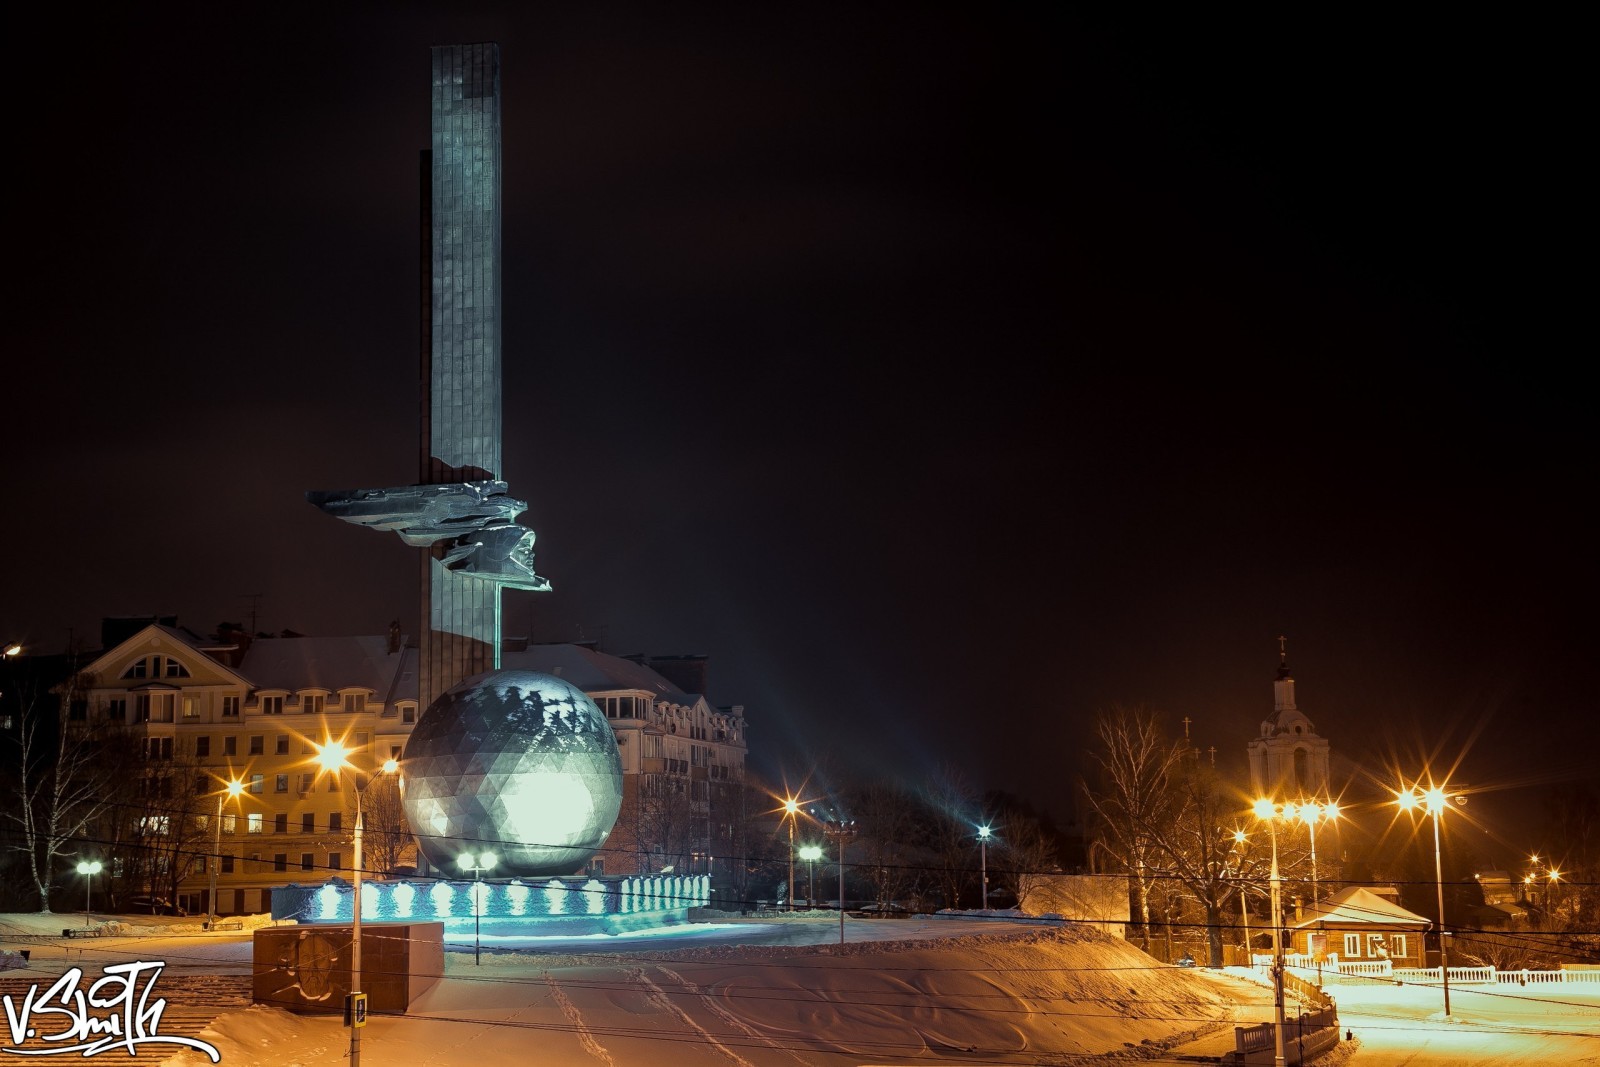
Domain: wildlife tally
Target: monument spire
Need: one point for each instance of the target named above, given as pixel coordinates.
(460, 512)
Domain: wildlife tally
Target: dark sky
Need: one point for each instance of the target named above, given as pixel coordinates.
(945, 375)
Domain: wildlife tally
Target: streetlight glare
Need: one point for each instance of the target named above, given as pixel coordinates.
(235, 787)
(332, 756)
(984, 832)
(1264, 808)
(13, 649)
(1435, 799)
(391, 765)
(89, 867)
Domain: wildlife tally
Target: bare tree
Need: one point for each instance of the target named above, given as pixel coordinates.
(885, 817)
(61, 769)
(385, 834)
(1027, 855)
(1134, 794)
(952, 831)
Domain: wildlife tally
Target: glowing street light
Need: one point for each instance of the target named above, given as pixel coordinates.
(1270, 813)
(333, 757)
(983, 864)
(12, 649)
(811, 854)
(1434, 802)
(477, 863)
(233, 790)
(791, 808)
(87, 868)
(1310, 813)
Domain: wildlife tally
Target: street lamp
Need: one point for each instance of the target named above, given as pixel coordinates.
(333, 757)
(841, 830)
(983, 864)
(811, 854)
(87, 868)
(232, 791)
(791, 808)
(1433, 801)
(1310, 813)
(1270, 813)
(477, 863)
(1239, 840)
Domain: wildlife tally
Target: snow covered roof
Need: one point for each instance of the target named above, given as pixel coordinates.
(331, 663)
(1356, 904)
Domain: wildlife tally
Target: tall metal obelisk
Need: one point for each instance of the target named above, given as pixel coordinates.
(459, 513)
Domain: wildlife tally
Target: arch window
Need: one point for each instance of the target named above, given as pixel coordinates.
(156, 667)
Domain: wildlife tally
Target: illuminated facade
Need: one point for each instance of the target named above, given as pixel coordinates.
(203, 712)
(1289, 759)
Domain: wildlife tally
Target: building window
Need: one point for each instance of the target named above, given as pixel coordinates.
(313, 704)
(253, 822)
(153, 707)
(230, 746)
(361, 740)
(117, 709)
(272, 705)
(280, 861)
(154, 825)
(355, 703)
(171, 668)
(191, 706)
(308, 861)
(258, 745)
(1397, 945)
(280, 823)
(281, 748)
(334, 822)
(306, 780)
(1376, 947)
(308, 823)
(227, 863)
(257, 782)
(230, 707)
(202, 747)
(333, 782)
(158, 748)
(408, 713)
(280, 783)
(139, 668)
(394, 752)
(333, 864)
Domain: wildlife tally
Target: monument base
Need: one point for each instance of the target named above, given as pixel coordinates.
(307, 968)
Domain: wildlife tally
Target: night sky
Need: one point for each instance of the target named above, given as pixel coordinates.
(945, 375)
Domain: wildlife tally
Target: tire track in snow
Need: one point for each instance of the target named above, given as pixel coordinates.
(575, 1017)
(721, 1012)
(658, 997)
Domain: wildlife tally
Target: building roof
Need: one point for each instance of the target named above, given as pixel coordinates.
(595, 672)
(332, 663)
(1357, 904)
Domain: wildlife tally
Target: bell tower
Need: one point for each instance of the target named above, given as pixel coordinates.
(1289, 761)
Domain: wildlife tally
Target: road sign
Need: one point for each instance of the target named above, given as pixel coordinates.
(355, 1009)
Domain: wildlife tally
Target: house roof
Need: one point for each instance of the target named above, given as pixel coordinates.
(1358, 905)
(331, 663)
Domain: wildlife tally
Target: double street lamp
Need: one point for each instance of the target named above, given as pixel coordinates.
(791, 808)
(333, 757)
(87, 868)
(1435, 801)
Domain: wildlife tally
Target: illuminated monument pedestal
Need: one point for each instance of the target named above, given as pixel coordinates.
(524, 907)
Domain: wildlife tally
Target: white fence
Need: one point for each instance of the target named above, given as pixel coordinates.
(1383, 970)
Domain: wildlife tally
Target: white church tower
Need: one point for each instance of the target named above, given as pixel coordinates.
(1288, 761)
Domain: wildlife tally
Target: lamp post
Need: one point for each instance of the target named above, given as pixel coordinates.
(477, 863)
(1433, 801)
(1311, 813)
(841, 830)
(983, 865)
(791, 808)
(811, 854)
(87, 868)
(333, 757)
(233, 790)
(1270, 813)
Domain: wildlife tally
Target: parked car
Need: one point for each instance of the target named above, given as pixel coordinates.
(147, 905)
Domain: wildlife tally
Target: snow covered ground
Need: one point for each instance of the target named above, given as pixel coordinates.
(759, 992)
